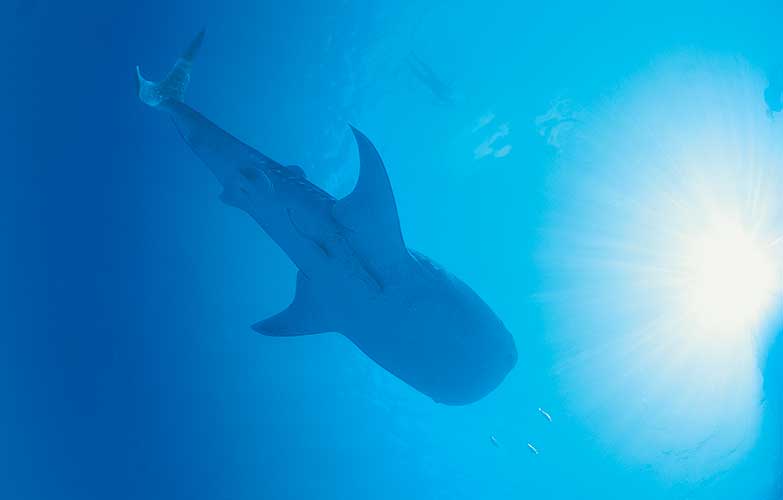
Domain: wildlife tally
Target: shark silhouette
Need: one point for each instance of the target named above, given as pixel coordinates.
(356, 276)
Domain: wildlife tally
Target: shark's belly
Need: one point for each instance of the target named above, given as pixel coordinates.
(451, 369)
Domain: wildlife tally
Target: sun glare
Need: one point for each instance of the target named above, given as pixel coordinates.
(729, 279)
(666, 265)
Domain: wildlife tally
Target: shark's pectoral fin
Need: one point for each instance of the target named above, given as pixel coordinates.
(369, 212)
(305, 316)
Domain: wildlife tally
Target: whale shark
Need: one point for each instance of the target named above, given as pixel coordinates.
(356, 276)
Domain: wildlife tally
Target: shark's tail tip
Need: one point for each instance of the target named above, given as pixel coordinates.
(147, 90)
(192, 50)
(173, 87)
(138, 80)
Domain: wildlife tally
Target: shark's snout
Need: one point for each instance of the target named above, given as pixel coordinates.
(512, 357)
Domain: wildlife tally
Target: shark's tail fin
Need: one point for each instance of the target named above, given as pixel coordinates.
(175, 84)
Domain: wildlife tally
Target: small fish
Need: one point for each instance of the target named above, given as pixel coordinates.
(545, 414)
(533, 449)
(494, 441)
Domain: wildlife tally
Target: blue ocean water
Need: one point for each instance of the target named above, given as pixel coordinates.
(521, 140)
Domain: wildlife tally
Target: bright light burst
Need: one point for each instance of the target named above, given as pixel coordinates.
(666, 264)
(730, 279)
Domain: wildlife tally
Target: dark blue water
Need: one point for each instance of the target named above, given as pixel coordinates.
(127, 361)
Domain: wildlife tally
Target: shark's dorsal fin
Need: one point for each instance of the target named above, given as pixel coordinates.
(305, 315)
(369, 212)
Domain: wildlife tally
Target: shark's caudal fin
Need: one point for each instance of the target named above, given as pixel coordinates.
(305, 315)
(175, 84)
(218, 149)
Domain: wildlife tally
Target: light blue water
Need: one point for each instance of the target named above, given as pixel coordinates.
(128, 364)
